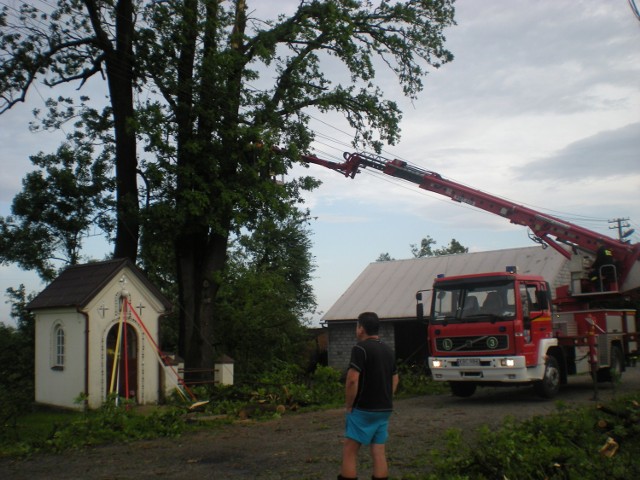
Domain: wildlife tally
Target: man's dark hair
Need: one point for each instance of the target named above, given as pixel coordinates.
(370, 322)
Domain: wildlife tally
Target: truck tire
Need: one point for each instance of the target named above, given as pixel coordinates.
(462, 389)
(616, 366)
(549, 386)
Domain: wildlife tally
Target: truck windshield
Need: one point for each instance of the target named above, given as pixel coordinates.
(477, 302)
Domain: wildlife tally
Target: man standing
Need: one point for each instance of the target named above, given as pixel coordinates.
(372, 380)
(603, 270)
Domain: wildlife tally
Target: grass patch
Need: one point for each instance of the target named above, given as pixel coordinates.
(266, 397)
(18, 436)
(56, 430)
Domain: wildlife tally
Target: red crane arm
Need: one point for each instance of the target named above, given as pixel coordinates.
(542, 225)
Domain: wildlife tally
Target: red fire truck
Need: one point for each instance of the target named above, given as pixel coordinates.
(505, 328)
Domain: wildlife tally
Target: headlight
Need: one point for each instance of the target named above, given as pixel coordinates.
(507, 362)
(436, 363)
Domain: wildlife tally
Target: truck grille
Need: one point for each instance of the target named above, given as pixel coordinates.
(482, 343)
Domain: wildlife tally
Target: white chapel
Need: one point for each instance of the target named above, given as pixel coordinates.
(97, 331)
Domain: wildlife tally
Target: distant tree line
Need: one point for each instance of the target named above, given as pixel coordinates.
(426, 249)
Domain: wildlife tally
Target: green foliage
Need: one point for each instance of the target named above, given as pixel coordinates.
(564, 445)
(265, 293)
(427, 244)
(16, 364)
(31, 430)
(426, 249)
(205, 180)
(59, 431)
(415, 381)
(288, 386)
(121, 421)
(61, 201)
(16, 380)
(221, 185)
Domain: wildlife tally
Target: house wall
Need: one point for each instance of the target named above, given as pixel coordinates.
(564, 276)
(59, 386)
(342, 337)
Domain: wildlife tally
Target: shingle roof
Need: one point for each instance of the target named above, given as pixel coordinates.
(389, 288)
(78, 284)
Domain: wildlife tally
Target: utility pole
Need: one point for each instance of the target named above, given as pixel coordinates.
(621, 223)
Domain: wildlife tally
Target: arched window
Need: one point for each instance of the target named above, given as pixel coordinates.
(58, 348)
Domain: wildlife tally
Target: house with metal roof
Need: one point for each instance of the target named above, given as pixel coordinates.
(389, 289)
(97, 329)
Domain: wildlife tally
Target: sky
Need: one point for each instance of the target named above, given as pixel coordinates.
(540, 106)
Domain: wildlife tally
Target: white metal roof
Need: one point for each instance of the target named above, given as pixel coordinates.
(389, 288)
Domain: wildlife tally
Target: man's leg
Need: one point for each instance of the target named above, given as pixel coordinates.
(349, 458)
(379, 456)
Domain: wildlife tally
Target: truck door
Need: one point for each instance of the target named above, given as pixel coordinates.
(536, 320)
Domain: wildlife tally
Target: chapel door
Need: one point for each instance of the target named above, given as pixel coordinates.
(126, 372)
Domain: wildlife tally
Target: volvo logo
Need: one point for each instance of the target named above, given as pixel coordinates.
(492, 342)
(447, 344)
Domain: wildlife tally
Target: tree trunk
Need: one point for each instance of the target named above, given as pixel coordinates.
(201, 259)
(195, 317)
(119, 64)
(201, 247)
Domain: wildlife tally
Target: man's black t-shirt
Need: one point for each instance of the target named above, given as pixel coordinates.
(376, 363)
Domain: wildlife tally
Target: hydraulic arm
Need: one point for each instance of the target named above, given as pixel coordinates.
(546, 228)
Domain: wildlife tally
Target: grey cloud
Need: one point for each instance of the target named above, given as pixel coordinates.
(607, 154)
(547, 61)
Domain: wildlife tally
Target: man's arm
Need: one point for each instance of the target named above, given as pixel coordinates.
(394, 383)
(351, 388)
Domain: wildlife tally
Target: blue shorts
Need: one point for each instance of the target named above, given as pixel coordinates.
(367, 427)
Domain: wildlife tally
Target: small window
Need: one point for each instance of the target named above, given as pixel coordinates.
(532, 298)
(58, 348)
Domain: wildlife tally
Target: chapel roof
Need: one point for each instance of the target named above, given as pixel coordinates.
(78, 284)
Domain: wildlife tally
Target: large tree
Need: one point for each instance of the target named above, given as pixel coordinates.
(69, 43)
(265, 294)
(231, 82)
(223, 88)
(65, 199)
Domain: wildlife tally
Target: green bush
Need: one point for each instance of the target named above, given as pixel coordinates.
(288, 385)
(564, 445)
(415, 381)
(59, 431)
(115, 423)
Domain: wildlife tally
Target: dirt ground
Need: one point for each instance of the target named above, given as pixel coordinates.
(304, 445)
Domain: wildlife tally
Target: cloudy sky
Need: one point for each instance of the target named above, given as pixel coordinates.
(541, 106)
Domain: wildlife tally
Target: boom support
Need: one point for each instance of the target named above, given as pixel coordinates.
(546, 228)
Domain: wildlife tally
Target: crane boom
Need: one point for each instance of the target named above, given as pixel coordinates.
(546, 228)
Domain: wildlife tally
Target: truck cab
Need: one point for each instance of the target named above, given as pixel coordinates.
(490, 328)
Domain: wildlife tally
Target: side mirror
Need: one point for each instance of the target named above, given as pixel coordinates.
(420, 308)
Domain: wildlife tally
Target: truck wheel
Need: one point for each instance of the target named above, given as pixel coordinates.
(616, 366)
(462, 389)
(549, 386)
